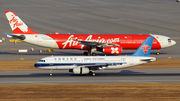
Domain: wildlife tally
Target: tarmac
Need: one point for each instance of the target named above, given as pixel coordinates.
(92, 17)
(96, 17)
(143, 75)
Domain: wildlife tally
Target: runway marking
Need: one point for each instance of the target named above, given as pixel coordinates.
(14, 49)
(22, 58)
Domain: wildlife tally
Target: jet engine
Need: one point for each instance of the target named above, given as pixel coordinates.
(80, 70)
(113, 50)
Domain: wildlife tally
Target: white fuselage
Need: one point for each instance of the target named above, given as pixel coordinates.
(70, 62)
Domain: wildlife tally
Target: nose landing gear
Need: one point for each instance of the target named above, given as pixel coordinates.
(51, 71)
(158, 52)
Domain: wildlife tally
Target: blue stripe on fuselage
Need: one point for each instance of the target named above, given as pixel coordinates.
(39, 65)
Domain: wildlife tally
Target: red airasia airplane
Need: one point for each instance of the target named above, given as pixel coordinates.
(106, 43)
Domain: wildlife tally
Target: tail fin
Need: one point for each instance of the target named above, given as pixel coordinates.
(17, 25)
(145, 48)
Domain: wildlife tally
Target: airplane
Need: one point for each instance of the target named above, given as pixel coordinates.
(88, 64)
(90, 43)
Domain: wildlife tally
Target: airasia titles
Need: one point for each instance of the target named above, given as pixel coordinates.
(73, 41)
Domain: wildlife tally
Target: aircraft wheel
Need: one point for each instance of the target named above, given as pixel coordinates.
(157, 53)
(85, 53)
(93, 54)
(88, 54)
(92, 73)
(51, 72)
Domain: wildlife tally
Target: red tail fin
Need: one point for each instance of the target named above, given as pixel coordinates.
(17, 25)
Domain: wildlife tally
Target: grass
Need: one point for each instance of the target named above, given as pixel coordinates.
(91, 92)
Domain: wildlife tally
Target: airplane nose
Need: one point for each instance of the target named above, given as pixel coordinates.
(173, 42)
(36, 65)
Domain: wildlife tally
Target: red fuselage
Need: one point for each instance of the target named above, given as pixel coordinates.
(131, 41)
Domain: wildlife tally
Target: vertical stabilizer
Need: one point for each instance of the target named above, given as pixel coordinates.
(17, 25)
(145, 48)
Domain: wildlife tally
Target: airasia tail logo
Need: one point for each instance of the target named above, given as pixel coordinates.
(145, 48)
(14, 22)
(114, 50)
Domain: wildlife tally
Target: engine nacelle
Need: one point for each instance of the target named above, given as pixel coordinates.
(80, 70)
(113, 50)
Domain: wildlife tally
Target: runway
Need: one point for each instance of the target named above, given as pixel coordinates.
(96, 17)
(148, 75)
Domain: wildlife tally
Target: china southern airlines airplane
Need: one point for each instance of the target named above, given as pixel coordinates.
(106, 43)
(88, 64)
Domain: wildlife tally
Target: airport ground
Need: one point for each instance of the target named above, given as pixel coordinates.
(92, 92)
(91, 16)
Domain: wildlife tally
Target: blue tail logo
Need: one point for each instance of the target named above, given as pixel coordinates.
(145, 48)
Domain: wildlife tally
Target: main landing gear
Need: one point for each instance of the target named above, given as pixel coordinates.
(158, 52)
(92, 73)
(91, 52)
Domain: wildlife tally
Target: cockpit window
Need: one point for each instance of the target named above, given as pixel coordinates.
(41, 60)
(169, 40)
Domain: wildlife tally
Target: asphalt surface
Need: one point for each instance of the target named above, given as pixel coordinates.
(150, 75)
(96, 17)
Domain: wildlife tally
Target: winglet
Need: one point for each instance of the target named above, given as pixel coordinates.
(145, 48)
(17, 25)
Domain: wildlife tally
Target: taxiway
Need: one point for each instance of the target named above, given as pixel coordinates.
(91, 16)
(145, 75)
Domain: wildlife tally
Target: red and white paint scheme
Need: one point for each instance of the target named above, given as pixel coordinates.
(107, 43)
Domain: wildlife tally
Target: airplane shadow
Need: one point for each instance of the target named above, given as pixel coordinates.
(123, 73)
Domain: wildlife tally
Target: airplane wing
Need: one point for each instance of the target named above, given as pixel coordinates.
(94, 66)
(96, 44)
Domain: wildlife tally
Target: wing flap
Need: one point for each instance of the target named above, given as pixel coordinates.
(96, 44)
(93, 65)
